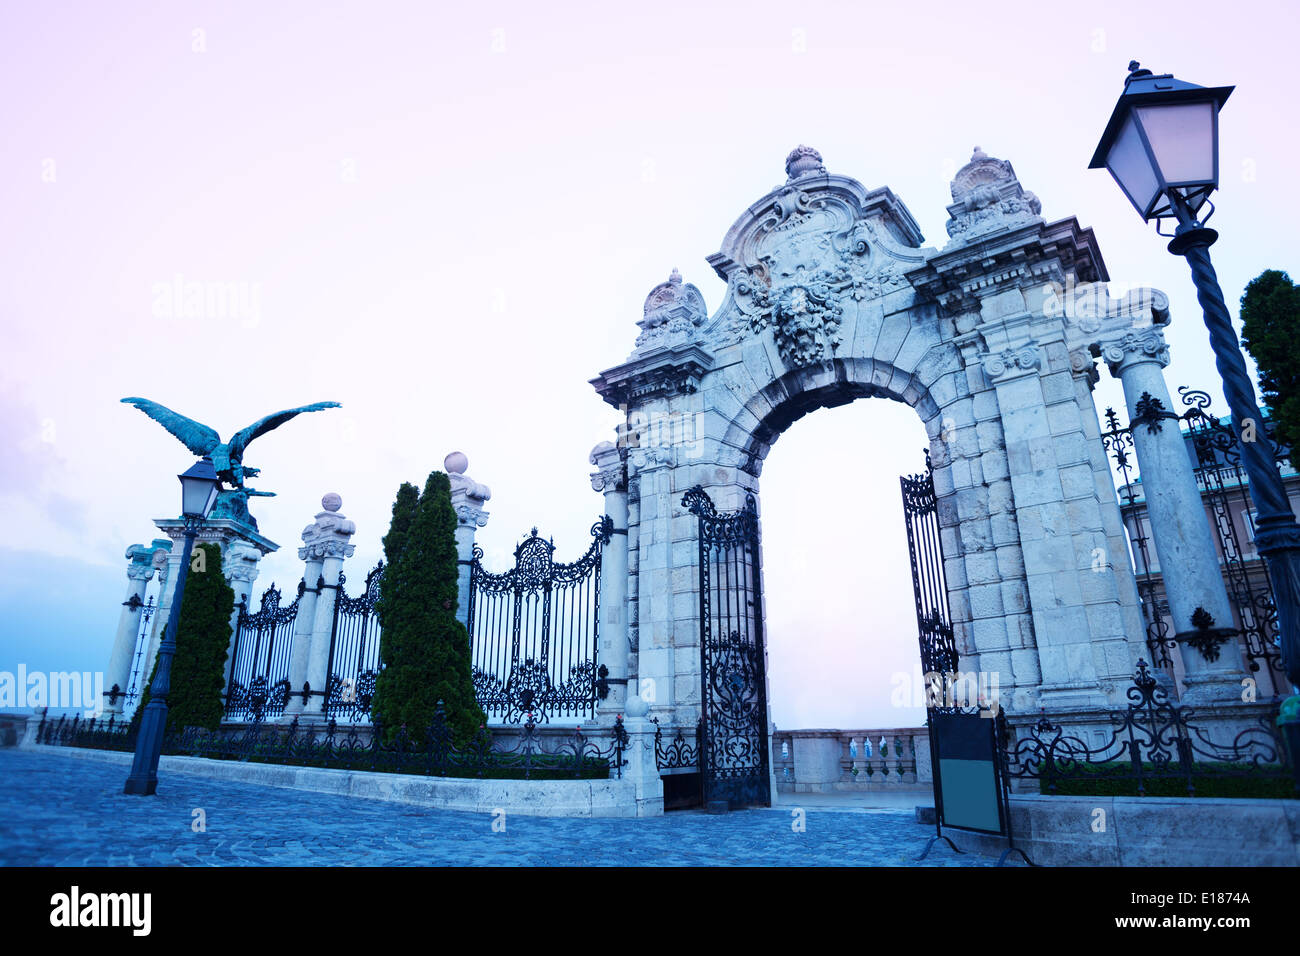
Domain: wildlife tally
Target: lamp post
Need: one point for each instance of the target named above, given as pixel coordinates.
(1162, 146)
(199, 489)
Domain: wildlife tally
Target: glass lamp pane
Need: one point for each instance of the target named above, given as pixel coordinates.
(194, 495)
(1129, 164)
(1182, 139)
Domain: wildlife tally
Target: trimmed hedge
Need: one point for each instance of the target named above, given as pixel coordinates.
(1116, 780)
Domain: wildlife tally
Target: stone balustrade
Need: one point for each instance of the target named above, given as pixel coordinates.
(825, 761)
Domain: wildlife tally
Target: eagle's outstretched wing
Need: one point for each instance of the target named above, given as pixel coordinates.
(197, 437)
(241, 438)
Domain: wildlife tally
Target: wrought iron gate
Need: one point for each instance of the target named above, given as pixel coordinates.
(933, 620)
(259, 674)
(354, 651)
(733, 748)
(534, 632)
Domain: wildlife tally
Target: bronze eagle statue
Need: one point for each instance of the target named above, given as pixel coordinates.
(227, 457)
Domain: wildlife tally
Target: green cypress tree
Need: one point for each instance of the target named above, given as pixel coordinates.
(1270, 319)
(404, 506)
(425, 649)
(202, 646)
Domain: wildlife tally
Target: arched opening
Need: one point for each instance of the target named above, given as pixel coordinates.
(840, 616)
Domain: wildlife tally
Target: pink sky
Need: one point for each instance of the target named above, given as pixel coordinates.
(451, 217)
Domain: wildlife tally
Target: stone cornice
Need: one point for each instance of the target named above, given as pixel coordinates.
(959, 278)
(660, 372)
(220, 530)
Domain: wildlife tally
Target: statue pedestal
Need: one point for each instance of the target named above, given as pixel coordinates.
(242, 548)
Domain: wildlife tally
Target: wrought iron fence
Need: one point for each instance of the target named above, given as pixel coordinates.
(259, 670)
(534, 631)
(354, 661)
(1151, 741)
(1216, 462)
(534, 634)
(679, 753)
(432, 753)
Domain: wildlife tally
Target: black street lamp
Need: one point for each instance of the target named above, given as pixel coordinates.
(1162, 147)
(199, 489)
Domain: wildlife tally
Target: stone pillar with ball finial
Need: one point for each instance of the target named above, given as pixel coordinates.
(467, 499)
(325, 545)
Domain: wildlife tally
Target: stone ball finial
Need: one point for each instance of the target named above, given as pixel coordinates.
(455, 463)
(332, 502)
(636, 706)
(978, 154)
(803, 161)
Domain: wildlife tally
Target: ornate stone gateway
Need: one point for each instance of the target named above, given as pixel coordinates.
(1022, 559)
(733, 757)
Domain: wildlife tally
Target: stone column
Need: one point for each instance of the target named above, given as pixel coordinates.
(1184, 543)
(139, 570)
(467, 499)
(611, 478)
(240, 567)
(304, 622)
(325, 541)
(167, 575)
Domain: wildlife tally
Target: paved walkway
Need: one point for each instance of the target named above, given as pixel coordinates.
(56, 810)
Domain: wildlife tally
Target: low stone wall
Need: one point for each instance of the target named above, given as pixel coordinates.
(1147, 831)
(545, 798)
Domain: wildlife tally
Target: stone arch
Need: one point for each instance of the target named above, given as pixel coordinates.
(966, 518)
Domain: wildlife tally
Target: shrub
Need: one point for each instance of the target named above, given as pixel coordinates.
(424, 648)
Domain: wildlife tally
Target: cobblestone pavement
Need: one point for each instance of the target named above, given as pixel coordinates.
(57, 810)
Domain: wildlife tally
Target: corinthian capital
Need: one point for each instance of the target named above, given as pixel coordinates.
(1144, 345)
(471, 517)
(610, 475)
